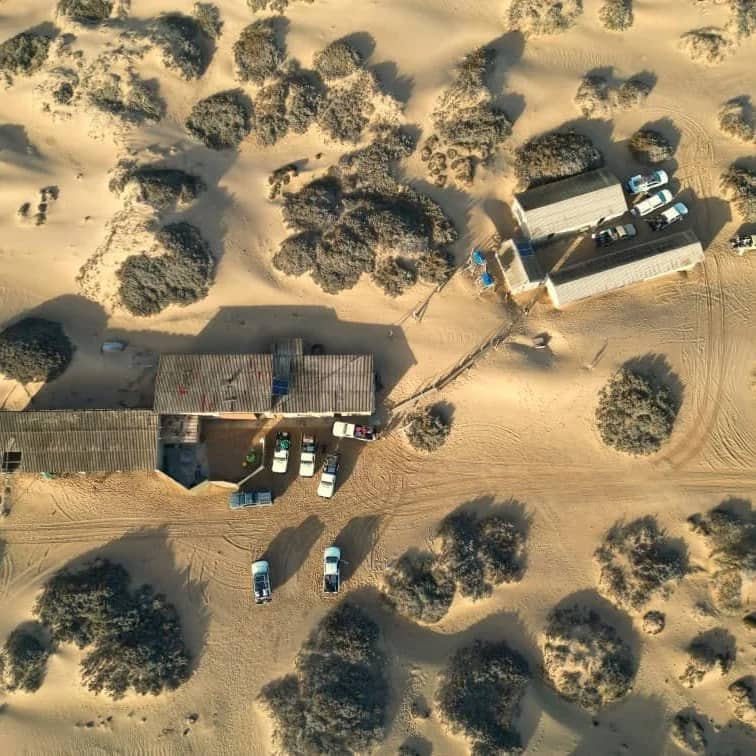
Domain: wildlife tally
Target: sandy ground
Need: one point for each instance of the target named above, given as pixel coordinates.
(523, 421)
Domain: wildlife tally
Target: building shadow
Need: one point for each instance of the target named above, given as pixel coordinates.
(288, 551)
(357, 540)
(707, 215)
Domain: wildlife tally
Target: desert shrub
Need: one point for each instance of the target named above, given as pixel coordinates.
(258, 52)
(23, 661)
(303, 101)
(706, 45)
(346, 108)
(653, 622)
(637, 561)
(555, 156)
(393, 276)
(296, 255)
(208, 18)
(740, 183)
(736, 119)
(180, 276)
(34, 349)
(317, 204)
(160, 188)
(478, 129)
(502, 550)
(632, 93)
(135, 636)
(650, 147)
(184, 42)
(132, 101)
(742, 696)
(480, 694)
(427, 429)
(220, 121)
(689, 732)
(584, 658)
(635, 413)
(707, 652)
(337, 700)
(538, 17)
(337, 60)
(616, 15)
(743, 17)
(592, 97)
(269, 121)
(24, 54)
(434, 267)
(86, 11)
(418, 587)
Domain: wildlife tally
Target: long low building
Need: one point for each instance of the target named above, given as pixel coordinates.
(625, 267)
(569, 205)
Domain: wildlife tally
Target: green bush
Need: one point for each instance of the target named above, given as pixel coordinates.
(650, 147)
(184, 42)
(136, 636)
(635, 414)
(418, 587)
(220, 121)
(23, 661)
(34, 349)
(24, 54)
(86, 11)
(337, 60)
(555, 156)
(258, 52)
(740, 183)
(427, 430)
(480, 694)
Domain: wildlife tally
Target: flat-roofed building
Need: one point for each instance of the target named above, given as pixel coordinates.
(519, 266)
(624, 267)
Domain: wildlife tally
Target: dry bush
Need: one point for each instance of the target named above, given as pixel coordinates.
(220, 121)
(477, 130)
(160, 188)
(304, 100)
(208, 18)
(584, 658)
(434, 267)
(742, 697)
(637, 561)
(427, 430)
(337, 701)
(337, 60)
(480, 693)
(616, 15)
(393, 276)
(554, 156)
(418, 587)
(347, 107)
(743, 17)
(653, 622)
(86, 11)
(635, 414)
(275, 6)
(24, 54)
(708, 652)
(689, 732)
(592, 97)
(316, 205)
(133, 101)
(632, 94)
(706, 45)
(740, 183)
(539, 17)
(184, 43)
(180, 276)
(134, 637)
(736, 119)
(650, 147)
(297, 254)
(23, 661)
(258, 52)
(269, 122)
(34, 349)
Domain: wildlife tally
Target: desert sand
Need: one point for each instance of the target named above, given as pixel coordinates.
(523, 423)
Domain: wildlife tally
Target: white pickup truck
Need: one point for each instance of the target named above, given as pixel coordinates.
(654, 202)
(332, 569)
(281, 452)
(327, 484)
(261, 582)
(307, 456)
(350, 430)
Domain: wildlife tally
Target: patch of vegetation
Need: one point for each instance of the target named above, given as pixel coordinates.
(23, 661)
(736, 119)
(393, 276)
(688, 731)
(638, 561)
(707, 652)
(584, 658)
(709, 46)
(337, 60)
(258, 52)
(297, 254)
(86, 11)
(592, 97)
(653, 622)
(337, 701)
(480, 695)
(555, 156)
(731, 538)
(317, 204)
(184, 42)
(742, 697)
(24, 54)
(418, 587)
(435, 267)
(132, 101)
(34, 349)
(347, 107)
(535, 18)
(740, 183)
(650, 147)
(208, 17)
(160, 188)
(149, 284)
(743, 17)
(616, 15)
(635, 413)
(632, 93)
(134, 637)
(221, 121)
(427, 430)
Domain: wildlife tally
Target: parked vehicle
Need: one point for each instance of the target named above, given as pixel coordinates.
(261, 582)
(654, 202)
(671, 215)
(645, 182)
(350, 430)
(742, 244)
(281, 452)
(608, 236)
(327, 484)
(332, 569)
(307, 456)
(245, 499)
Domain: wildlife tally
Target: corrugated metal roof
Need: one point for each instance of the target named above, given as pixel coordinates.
(210, 383)
(521, 268)
(571, 203)
(68, 441)
(625, 267)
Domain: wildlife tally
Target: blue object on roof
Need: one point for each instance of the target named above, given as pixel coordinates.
(478, 257)
(280, 387)
(524, 249)
(486, 280)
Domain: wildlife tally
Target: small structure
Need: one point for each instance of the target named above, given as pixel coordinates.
(569, 205)
(519, 266)
(625, 267)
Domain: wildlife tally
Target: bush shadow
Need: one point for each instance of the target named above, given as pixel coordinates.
(510, 509)
(657, 366)
(362, 41)
(290, 547)
(509, 49)
(17, 149)
(417, 744)
(392, 82)
(357, 540)
(444, 410)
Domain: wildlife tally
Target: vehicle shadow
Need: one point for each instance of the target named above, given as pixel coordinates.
(357, 540)
(289, 549)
